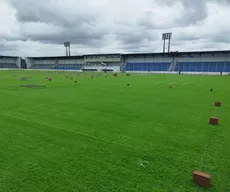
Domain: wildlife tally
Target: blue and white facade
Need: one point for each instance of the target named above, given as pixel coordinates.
(7, 62)
(204, 62)
(218, 61)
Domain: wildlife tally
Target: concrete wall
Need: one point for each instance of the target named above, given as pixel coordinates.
(29, 62)
(18, 62)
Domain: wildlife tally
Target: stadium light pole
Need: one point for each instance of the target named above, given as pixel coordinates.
(67, 46)
(169, 43)
(166, 36)
(69, 49)
(163, 45)
(163, 38)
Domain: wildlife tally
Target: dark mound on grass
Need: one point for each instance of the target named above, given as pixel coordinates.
(24, 79)
(89, 70)
(33, 86)
(105, 70)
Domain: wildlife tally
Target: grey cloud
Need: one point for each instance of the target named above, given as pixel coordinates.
(129, 38)
(223, 2)
(146, 21)
(15, 38)
(182, 36)
(85, 27)
(208, 45)
(177, 43)
(82, 35)
(133, 46)
(196, 11)
(186, 2)
(51, 12)
(135, 36)
(221, 37)
(4, 47)
(77, 26)
(180, 43)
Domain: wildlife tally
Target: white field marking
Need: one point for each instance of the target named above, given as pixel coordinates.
(172, 83)
(185, 84)
(143, 163)
(159, 82)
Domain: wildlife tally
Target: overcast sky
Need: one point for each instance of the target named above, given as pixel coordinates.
(40, 27)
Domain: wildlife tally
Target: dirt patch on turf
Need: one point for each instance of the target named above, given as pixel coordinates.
(24, 79)
(33, 86)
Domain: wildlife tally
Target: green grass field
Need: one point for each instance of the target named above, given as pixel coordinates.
(100, 135)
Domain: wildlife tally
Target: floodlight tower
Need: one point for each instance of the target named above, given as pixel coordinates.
(166, 36)
(67, 47)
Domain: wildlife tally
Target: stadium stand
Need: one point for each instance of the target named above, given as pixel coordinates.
(55, 63)
(102, 62)
(204, 62)
(68, 66)
(102, 67)
(163, 66)
(8, 65)
(203, 66)
(192, 62)
(41, 66)
(9, 62)
(183, 66)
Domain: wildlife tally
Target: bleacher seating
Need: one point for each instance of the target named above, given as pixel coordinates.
(203, 66)
(68, 66)
(147, 66)
(41, 66)
(183, 66)
(227, 67)
(8, 65)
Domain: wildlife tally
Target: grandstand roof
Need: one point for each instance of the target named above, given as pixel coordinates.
(102, 54)
(2, 57)
(73, 57)
(181, 53)
(176, 53)
(59, 57)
